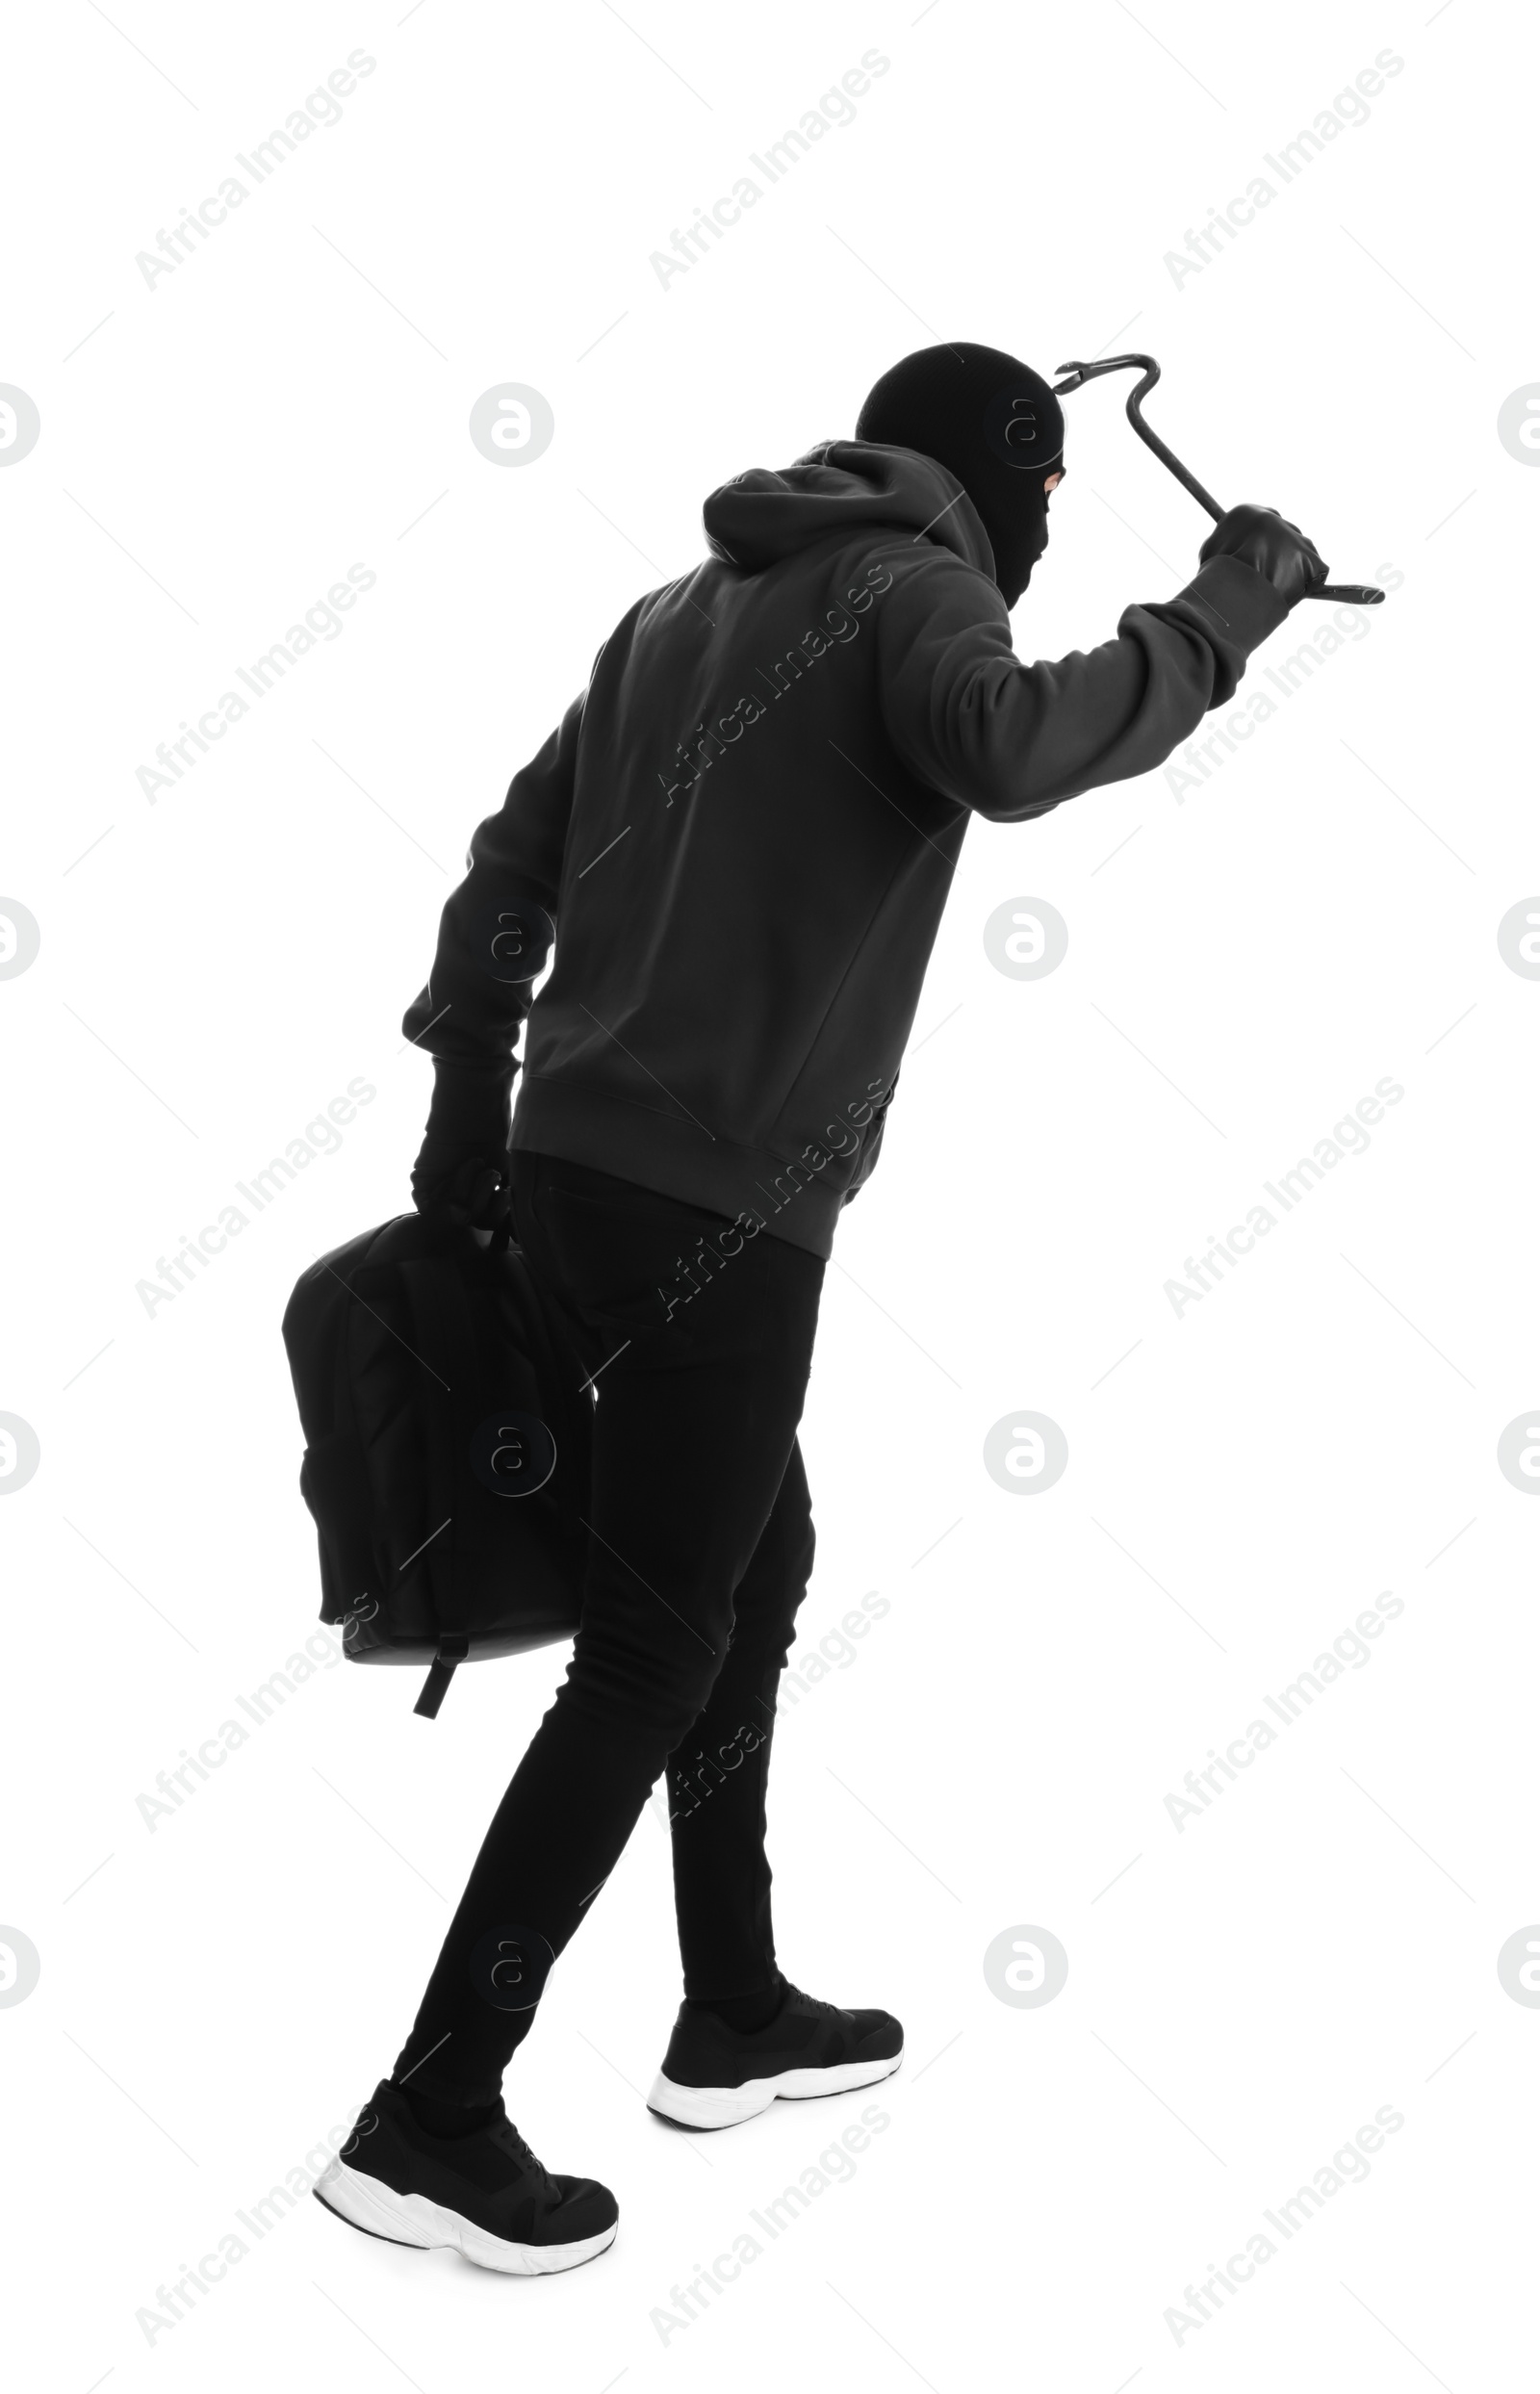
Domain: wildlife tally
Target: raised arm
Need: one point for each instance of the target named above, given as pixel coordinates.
(1011, 740)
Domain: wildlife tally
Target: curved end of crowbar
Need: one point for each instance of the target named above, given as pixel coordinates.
(1079, 370)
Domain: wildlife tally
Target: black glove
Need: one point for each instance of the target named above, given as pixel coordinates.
(1278, 551)
(461, 1176)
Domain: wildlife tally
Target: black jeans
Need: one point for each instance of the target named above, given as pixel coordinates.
(700, 1333)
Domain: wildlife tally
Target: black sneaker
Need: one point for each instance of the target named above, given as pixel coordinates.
(713, 2076)
(484, 2194)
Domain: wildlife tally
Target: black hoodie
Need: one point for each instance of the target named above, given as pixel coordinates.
(745, 828)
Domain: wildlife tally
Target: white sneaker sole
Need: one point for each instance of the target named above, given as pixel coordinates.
(366, 2202)
(724, 2106)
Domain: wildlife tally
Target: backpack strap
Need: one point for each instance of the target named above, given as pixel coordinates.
(454, 1648)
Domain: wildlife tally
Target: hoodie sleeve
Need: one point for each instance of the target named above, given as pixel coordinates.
(1011, 740)
(470, 1014)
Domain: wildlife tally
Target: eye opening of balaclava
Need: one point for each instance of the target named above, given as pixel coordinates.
(991, 421)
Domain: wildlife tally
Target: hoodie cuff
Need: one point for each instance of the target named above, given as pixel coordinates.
(471, 1101)
(1236, 602)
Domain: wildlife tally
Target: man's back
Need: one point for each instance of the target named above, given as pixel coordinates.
(746, 828)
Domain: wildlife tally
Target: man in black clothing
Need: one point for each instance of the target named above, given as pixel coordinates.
(740, 837)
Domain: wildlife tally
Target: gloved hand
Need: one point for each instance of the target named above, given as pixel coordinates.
(475, 1196)
(461, 1176)
(1278, 551)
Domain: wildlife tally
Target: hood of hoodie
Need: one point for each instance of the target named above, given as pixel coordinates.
(837, 488)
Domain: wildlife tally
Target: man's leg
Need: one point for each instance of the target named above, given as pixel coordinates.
(717, 1775)
(745, 2036)
(697, 1415)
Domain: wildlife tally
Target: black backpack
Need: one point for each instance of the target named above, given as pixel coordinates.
(447, 1434)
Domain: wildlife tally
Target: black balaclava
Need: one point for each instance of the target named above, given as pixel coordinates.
(992, 423)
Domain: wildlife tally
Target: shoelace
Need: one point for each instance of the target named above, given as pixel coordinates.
(505, 2134)
(815, 2003)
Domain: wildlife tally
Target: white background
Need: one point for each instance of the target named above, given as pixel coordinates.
(1243, 1477)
